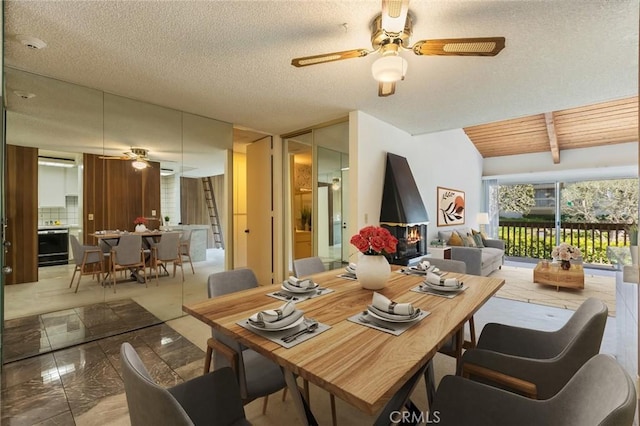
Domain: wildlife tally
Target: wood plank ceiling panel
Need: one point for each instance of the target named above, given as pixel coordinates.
(510, 137)
(600, 124)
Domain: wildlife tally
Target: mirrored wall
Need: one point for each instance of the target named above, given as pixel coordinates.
(70, 161)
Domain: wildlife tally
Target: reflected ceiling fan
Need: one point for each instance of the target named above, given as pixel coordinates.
(138, 157)
(390, 34)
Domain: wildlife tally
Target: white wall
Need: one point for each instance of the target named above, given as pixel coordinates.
(446, 159)
(598, 159)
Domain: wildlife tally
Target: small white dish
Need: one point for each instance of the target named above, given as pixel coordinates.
(369, 312)
(292, 289)
(286, 327)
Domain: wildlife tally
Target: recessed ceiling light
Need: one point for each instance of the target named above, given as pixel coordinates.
(31, 42)
(24, 95)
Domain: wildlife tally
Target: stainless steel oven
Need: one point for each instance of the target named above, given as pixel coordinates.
(53, 246)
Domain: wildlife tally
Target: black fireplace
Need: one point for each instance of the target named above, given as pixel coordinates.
(403, 212)
(411, 242)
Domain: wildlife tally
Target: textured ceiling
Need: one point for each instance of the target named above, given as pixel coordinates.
(231, 60)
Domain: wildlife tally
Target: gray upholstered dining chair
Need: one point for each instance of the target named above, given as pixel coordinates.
(185, 247)
(257, 375)
(307, 266)
(600, 393)
(167, 250)
(211, 399)
(128, 255)
(88, 260)
(532, 362)
(303, 268)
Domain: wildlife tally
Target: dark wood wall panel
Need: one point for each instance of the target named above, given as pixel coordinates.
(116, 193)
(21, 186)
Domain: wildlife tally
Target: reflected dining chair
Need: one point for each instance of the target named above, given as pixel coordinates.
(88, 260)
(167, 251)
(185, 247)
(211, 399)
(536, 363)
(128, 255)
(257, 375)
(600, 393)
(303, 268)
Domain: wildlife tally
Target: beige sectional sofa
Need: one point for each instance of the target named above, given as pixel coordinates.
(479, 260)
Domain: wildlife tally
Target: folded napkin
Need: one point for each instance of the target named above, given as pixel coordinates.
(393, 317)
(276, 318)
(351, 269)
(301, 283)
(435, 279)
(384, 304)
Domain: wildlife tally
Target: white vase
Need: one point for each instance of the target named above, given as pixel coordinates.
(634, 255)
(373, 271)
(141, 227)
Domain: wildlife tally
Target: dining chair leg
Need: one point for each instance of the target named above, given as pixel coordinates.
(429, 381)
(284, 393)
(73, 276)
(332, 401)
(306, 391)
(207, 360)
(264, 404)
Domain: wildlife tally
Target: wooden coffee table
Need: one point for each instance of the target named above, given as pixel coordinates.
(553, 274)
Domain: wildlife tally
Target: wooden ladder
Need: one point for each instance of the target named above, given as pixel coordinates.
(210, 199)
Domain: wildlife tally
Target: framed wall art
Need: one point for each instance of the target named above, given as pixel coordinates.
(450, 207)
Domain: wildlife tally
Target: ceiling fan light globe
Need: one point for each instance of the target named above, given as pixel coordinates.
(389, 69)
(139, 165)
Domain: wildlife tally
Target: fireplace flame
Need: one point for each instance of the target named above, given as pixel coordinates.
(413, 236)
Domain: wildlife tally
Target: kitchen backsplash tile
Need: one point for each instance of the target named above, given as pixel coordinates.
(68, 215)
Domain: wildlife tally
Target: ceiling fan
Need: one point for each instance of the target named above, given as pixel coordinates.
(137, 156)
(390, 34)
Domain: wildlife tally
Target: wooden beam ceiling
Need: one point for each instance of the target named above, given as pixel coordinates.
(606, 123)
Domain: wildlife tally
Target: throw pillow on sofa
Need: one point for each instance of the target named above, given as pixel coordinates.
(468, 240)
(477, 236)
(455, 240)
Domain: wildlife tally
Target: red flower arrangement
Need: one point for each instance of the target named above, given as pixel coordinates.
(140, 221)
(374, 240)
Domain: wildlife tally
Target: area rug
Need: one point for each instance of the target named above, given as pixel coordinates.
(519, 286)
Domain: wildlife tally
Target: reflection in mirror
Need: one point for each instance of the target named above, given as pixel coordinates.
(300, 195)
(101, 136)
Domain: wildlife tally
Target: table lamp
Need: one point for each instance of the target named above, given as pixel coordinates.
(482, 219)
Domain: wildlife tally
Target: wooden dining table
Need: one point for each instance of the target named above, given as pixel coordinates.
(364, 367)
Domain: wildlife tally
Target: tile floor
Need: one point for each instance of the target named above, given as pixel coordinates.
(82, 385)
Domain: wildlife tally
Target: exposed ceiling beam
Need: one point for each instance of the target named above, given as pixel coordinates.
(553, 138)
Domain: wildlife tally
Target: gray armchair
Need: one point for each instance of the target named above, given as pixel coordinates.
(167, 250)
(257, 376)
(532, 362)
(206, 400)
(128, 255)
(89, 260)
(600, 393)
(307, 266)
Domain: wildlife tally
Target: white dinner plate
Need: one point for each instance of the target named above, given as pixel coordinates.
(369, 312)
(286, 327)
(299, 290)
(443, 288)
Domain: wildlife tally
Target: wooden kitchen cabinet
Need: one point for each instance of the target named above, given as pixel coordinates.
(302, 244)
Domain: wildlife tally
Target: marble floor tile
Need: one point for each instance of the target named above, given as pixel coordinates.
(39, 367)
(33, 401)
(63, 419)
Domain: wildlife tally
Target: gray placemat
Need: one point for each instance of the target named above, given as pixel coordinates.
(276, 336)
(433, 292)
(395, 328)
(297, 297)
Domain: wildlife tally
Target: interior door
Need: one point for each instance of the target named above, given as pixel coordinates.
(260, 257)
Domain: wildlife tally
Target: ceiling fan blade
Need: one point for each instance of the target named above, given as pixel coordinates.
(481, 46)
(329, 57)
(394, 15)
(386, 89)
